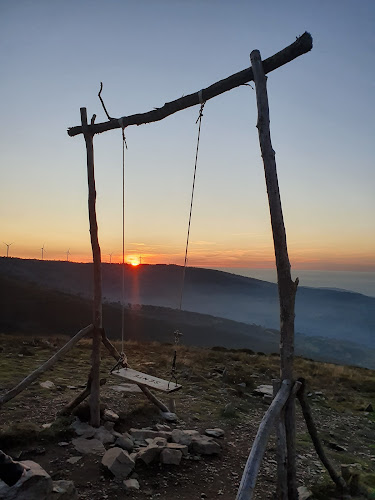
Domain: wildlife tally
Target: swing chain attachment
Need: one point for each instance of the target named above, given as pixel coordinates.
(200, 116)
(177, 335)
(121, 363)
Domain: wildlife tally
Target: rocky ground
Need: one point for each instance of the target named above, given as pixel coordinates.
(218, 392)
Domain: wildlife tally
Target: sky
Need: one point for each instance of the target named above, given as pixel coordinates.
(54, 54)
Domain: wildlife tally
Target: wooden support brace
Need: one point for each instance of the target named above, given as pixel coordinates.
(336, 478)
(81, 397)
(281, 450)
(300, 46)
(249, 476)
(35, 374)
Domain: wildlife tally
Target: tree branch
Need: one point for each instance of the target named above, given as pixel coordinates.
(302, 45)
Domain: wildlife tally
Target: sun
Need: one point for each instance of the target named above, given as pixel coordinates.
(134, 263)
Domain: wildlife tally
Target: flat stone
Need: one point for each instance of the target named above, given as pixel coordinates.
(34, 484)
(74, 460)
(118, 462)
(63, 490)
(63, 444)
(82, 428)
(304, 493)
(47, 384)
(131, 484)
(216, 432)
(204, 445)
(159, 441)
(110, 416)
(104, 436)
(261, 390)
(162, 427)
(169, 416)
(170, 456)
(85, 446)
(142, 434)
(47, 426)
(149, 454)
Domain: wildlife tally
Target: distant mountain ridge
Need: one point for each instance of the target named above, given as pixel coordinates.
(322, 312)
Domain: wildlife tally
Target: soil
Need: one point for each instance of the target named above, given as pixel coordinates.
(198, 407)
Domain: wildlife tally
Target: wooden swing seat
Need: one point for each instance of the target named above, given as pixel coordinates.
(148, 380)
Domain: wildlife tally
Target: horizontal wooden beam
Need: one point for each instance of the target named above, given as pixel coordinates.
(302, 45)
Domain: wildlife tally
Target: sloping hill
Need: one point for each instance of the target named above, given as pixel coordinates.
(30, 309)
(319, 312)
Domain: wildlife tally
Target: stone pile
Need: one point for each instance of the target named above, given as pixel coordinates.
(159, 444)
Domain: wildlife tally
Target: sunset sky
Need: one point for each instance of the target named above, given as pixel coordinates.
(54, 56)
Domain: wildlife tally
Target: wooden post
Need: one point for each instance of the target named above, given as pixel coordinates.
(281, 450)
(286, 287)
(97, 302)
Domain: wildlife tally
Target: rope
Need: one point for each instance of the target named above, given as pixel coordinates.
(199, 120)
(124, 145)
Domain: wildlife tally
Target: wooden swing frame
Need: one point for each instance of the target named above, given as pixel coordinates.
(286, 287)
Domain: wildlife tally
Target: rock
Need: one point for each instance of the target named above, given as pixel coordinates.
(183, 437)
(369, 408)
(143, 434)
(162, 427)
(118, 462)
(110, 416)
(335, 446)
(267, 399)
(47, 426)
(109, 426)
(304, 493)
(149, 454)
(181, 447)
(104, 436)
(170, 456)
(216, 433)
(159, 441)
(261, 390)
(169, 416)
(47, 384)
(82, 429)
(63, 490)
(204, 445)
(131, 484)
(34, 484)
(73, 460)
(63, 444)
(124, 442)
(85, 446)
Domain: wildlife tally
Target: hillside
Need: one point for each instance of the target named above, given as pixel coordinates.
(326, 313)
(33, 310)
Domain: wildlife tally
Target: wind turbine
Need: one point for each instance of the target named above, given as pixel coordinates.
(67, 255)
(42, 249)
(110, 257)
(8, 245)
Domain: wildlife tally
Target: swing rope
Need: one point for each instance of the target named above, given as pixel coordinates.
(199, 120)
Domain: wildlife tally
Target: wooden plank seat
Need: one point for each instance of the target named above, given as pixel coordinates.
(148, 380)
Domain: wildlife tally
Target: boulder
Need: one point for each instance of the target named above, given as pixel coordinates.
(118, 462)
(34, 484)
(48, 384)
(183, 437)
(85, 446)
(162, 427)
(181, 447)
(149, 454)
(304, 493)
(63, 490)
(204, 445)
(169, 416)
(261, 390)
(125, 442)
(170, 456)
